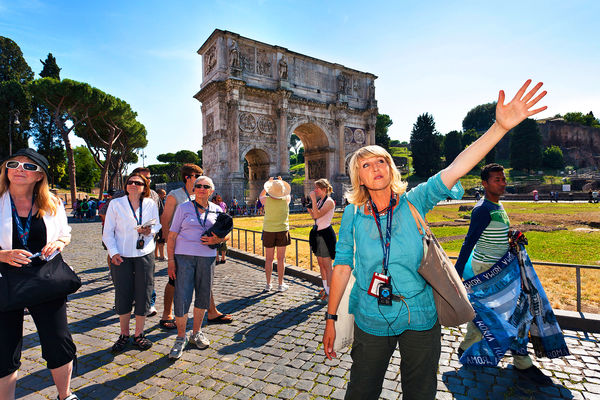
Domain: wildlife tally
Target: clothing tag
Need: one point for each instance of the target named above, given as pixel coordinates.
(377, 280)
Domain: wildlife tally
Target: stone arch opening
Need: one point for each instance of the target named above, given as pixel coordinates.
(318, 155)
(259, 164)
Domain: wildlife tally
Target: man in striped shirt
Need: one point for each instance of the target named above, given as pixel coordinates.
(487, 239)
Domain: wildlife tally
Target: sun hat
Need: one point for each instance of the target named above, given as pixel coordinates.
(277, 188)
(34, 156)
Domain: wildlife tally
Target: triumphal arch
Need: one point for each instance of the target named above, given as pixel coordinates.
(255, 96)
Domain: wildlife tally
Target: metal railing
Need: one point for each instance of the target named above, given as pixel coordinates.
(578, 267)
(238, 244)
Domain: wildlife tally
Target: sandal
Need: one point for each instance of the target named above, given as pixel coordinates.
(167, 324)
(221, 319)
(141, 342)
(120, 344)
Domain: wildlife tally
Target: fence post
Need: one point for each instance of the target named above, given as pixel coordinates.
(245, 240)
(578, 275)
(253, 242)
(296, 251)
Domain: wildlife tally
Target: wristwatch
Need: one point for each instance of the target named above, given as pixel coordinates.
(330, 316)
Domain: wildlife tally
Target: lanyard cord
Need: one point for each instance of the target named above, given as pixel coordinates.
(23, 233)
(133, 211)
(187, 194)
(196, 206)
(385, 245)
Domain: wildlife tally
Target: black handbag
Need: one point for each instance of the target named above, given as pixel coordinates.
(31, 285)
(223, 225)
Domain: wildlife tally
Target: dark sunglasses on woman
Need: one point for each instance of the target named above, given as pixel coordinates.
(201, 186)
(136, 183)
(27, 166)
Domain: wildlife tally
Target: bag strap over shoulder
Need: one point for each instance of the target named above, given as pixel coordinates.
(421, 224)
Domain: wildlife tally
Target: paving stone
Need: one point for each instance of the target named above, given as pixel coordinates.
(272, 350)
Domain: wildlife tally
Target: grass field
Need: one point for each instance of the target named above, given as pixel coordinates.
(577, 244)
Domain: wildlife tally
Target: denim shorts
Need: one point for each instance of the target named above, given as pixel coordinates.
(193, 273)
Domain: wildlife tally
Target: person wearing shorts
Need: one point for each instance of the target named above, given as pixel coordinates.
(276, 198)
(322, 236)
(192, 262)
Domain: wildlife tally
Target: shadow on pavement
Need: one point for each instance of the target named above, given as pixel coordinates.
(235, 305)
(263, 331)
(498, 383)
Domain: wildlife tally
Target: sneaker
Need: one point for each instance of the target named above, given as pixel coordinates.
(199, 340)
(141, 342)
(178, 347)
(283, 287)
(152, 312)
(72, 396)
(320, 295)
(268, 287)
(120, 344)
(534, 375)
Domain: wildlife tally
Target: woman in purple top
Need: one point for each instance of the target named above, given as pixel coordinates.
(192, 262)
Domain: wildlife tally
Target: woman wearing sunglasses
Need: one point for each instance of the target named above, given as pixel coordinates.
(192, 262)
(32, 220)
(129, 228)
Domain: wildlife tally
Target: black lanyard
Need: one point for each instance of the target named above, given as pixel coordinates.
(187, 194)
(196, 206)
(133, 211)
(23, 232)
(388, 231)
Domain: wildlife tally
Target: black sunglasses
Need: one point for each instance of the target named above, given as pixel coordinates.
(26, 166)
(195, 176)
(136, 183)
(200, 186)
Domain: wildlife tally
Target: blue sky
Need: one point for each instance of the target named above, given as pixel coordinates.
(437, 56)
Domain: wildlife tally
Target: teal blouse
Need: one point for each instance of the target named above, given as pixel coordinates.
(405, 257)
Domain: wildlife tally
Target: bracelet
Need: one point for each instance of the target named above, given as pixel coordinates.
(61, 240)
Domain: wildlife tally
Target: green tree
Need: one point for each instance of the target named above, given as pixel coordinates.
(88, 173)
(70, 103)
(468, 137)
(552, 158)
(452, 145)
(425, 144)
(45, 134)
(381, 131)
(12, 63)
(584, 119)
(480, 118)
(526, 146)
(13, 96)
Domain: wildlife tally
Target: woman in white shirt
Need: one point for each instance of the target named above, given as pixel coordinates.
(130, 225)
(322, 236)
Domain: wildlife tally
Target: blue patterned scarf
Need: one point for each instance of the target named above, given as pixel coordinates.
(512, 308)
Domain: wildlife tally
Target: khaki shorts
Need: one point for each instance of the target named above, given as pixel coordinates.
(276, 239)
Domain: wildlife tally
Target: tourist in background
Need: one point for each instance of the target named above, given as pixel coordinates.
(378, 231)
(159, 253)
(192, 262)
(275, 197)
(24, 186)
(129, 228)
(322, 236)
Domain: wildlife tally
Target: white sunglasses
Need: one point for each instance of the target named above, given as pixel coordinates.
(27, 166)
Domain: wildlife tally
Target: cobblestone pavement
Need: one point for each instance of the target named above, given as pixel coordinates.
(271, 350)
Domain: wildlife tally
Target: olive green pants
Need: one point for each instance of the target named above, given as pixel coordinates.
(473, 334)
(419, 353)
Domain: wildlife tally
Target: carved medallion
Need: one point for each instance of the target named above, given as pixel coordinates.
(359, 135)
(348, 135)
(266, 125)
(211, 59)
(247, 122)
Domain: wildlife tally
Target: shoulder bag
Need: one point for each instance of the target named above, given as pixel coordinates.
(449, 293)
(31, 285)
(344, 326)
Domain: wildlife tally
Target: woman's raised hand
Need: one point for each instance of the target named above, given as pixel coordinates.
(510, 115)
